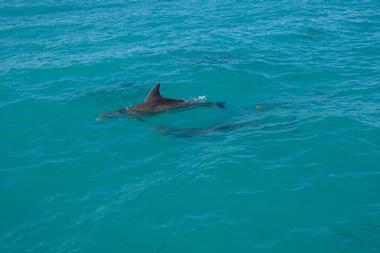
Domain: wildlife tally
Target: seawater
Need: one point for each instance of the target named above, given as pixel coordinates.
(291, 165)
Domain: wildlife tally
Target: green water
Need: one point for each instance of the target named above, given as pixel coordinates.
(291, 165)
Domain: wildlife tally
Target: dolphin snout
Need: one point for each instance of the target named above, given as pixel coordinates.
(109, 115)
(100, 118)
(104, 116)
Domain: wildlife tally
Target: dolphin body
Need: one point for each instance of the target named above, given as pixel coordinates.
(155, 103)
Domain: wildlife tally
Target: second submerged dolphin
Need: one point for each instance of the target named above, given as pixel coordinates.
(155, 103)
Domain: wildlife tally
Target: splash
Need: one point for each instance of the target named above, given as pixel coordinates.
(202, 98)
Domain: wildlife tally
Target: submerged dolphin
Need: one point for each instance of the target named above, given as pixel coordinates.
(192, 132)
(155, 103)
(228, 127)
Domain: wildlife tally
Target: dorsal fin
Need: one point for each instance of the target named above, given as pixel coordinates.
(154, 93)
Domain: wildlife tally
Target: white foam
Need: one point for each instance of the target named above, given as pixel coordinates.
(201, 98)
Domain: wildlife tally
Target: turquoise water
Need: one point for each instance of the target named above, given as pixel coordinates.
(291, 165)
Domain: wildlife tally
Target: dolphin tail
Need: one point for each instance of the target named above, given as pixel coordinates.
(220, 105)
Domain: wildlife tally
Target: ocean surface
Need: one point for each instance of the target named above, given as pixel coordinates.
(292, 164)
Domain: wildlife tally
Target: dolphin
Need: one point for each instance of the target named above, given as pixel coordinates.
(226, 128)
(154, 103)
(192, 132)
(243, 120)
